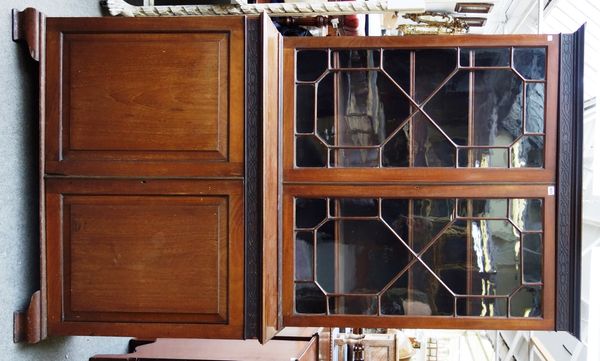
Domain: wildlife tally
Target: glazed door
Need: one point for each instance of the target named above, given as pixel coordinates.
(420, 177)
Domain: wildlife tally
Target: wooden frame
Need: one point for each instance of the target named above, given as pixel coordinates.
(430, 191)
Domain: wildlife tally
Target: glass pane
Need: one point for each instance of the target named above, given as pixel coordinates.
(498, 107)
(528, 152)
(530, 62)
(431, 148)
(532, 257)
(367, 256)
(326, 109)
(344, 157)
(491, 56)
(396, 151)
(534, 122)
(304, 256)
(483, 157)
(310, 152)
(483, 307)
(527, 302)
(477, 257)
(360, 58)
(527, 214)
(310, 212)
(449, 108)
(352, 305)
(305, 108)
(482, 208)
(311, 64)
(432, 66)
(356, 207)
(418, 293)
(397, 64)
(309, 299)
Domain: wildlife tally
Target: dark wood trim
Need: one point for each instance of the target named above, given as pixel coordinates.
(568, 226)
(252, 195)
(27, 324)
(29, 26)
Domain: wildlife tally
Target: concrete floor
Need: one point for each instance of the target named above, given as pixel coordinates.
(19, 266)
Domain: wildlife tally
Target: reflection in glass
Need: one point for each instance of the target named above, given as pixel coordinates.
(368, 255)
(310, 64)
(498, 107)
(483, 208)
(310, 212)
(309, 298)
(527, 302)
(530, 62)
(449, 109)
(483, 248)
(526, 213)
(534, 122)
(396, 151)
(396, 63)
(305, 108)
(304, 256)
(326, 109)
(532, 257)
(353, 305)
(425, 296)
(431, 148)
(528, 152)
(432, 66)
(486, 57)
(310, 152)
(483, 157)
(360, 58)
(483, 307)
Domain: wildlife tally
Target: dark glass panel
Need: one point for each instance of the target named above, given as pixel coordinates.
(483, 157)
(344, 157)
(397, 64)
(530, 62)
(310, 152)
(426, 295)
(311, 64)
(527, 302)
(305, 108)
(528, 152)
(430, 216)
(310, 299)
(326, 109)
(483, 307)
(483, 208)
(492, 57)
(396, 151)
(432, 66)
(526, 213)
(431, 148)
(367, 256)
(534, 120)
(304, 256)
(356, 207)
(310, 212)
(532, 257)
(358, 58)
(449, 108)
(326, 256)
(353, 305)
(498, 107)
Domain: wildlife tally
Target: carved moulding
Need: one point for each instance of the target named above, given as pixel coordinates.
(122, 8)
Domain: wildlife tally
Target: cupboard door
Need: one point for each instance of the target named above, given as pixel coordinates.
(145, 97)
(151, 258)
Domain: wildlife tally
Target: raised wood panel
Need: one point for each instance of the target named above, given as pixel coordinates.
(151, 258)
(143, 98)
